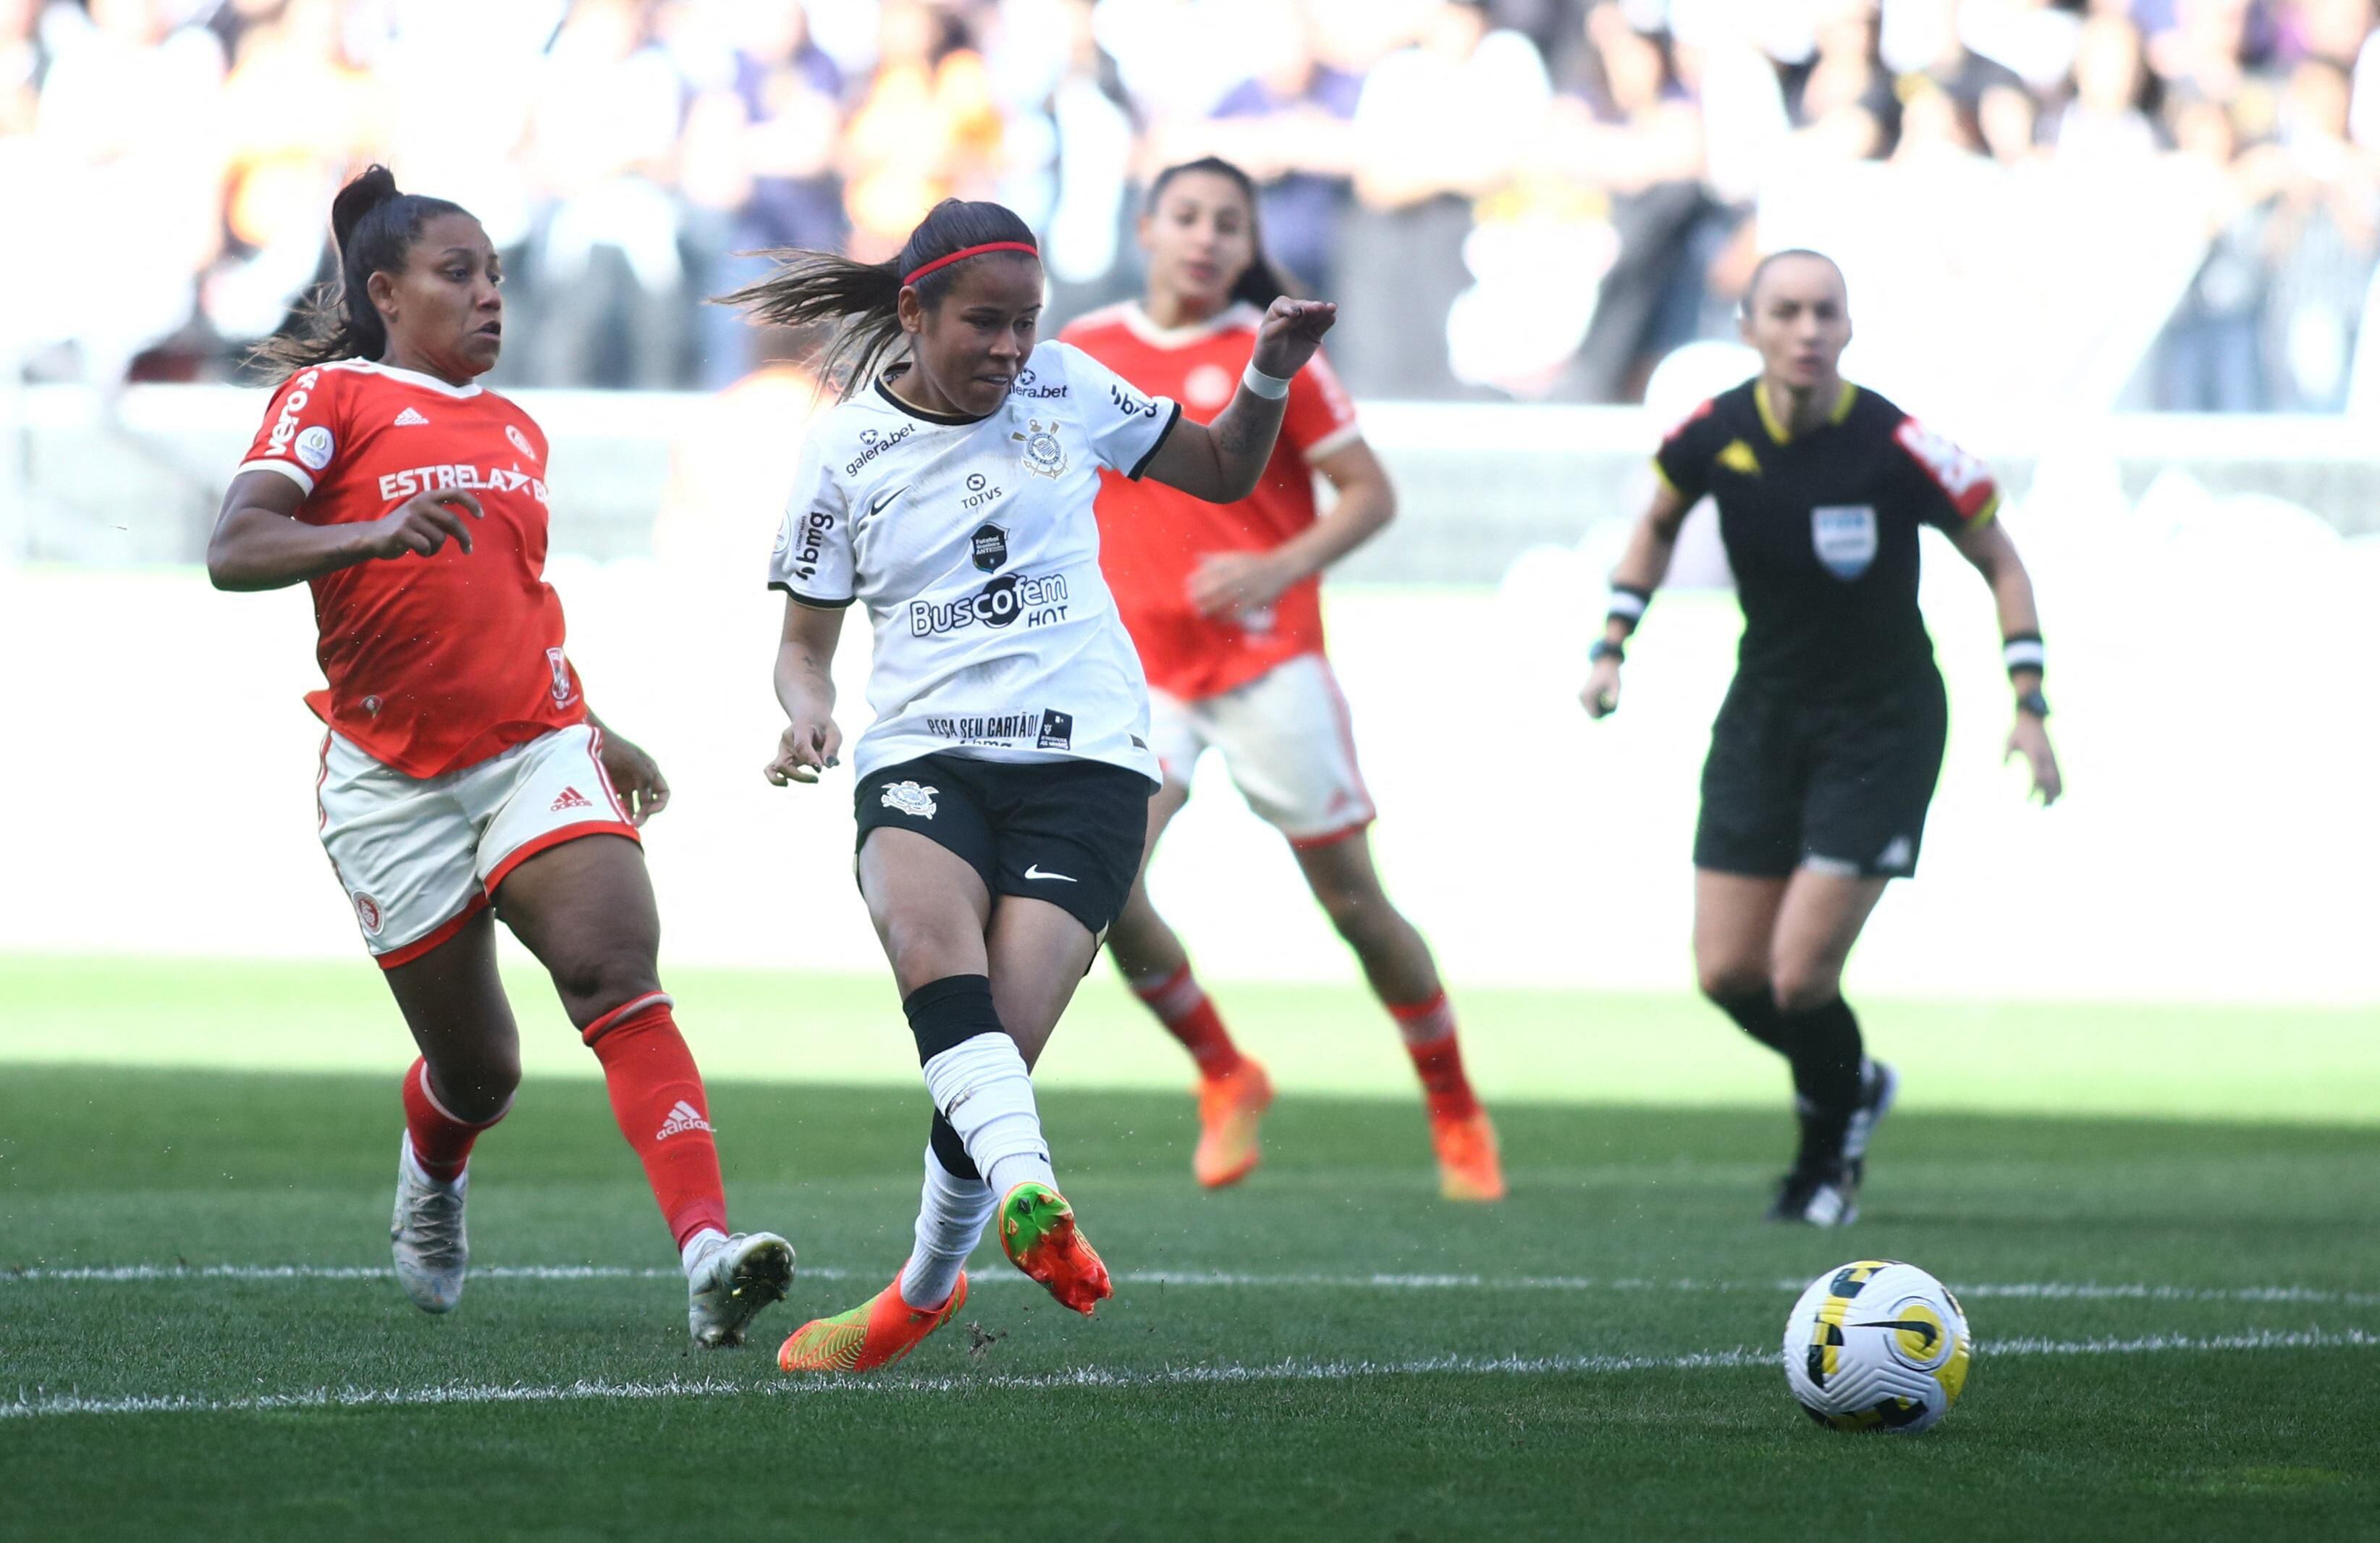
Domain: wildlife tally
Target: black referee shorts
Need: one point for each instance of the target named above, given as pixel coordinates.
(1070, 833)
(1838, 787)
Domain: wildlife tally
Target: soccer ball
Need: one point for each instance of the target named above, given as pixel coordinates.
(1876, 1345)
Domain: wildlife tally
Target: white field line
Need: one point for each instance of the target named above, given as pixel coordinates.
(2044, 1291)
(46, 1405)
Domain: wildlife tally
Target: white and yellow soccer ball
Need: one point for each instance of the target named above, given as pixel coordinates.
(1876, 1345)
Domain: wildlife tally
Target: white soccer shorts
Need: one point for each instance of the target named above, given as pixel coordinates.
(1288, 742)
(420, 857)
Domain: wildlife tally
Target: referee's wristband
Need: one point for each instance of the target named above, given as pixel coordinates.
(2022, 650)
(1627, 605)
(1272, 386)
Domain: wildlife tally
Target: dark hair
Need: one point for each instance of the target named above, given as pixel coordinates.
(862, 300)
(1760, 270)
(373, 227)
(1262, 282)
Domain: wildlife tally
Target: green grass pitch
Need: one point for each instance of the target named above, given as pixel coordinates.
(2179, 1319)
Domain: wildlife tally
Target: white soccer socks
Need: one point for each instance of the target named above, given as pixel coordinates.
(952, 1212)
(978, 1081)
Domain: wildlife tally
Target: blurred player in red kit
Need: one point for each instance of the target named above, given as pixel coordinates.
(463, 774)
(1225, 603)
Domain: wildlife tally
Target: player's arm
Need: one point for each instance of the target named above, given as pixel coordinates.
(260, 543)
(1986, 545)
(1222, 462)
(811, 743)
(1226, 582)
(635, 774)
(1639, 572)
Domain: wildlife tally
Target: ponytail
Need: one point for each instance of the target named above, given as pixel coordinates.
(1261, 283)
(373, 227)
(862, 300)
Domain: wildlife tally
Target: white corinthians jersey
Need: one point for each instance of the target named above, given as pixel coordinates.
(973, 544)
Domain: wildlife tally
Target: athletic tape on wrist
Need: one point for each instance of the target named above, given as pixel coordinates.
(1627, 605)
(1272, 386)
(2023, 652)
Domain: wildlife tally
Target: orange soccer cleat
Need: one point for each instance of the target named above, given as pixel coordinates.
(1038, 1235)
(1468, 1168)
(876, 1334)
(1229, 1108)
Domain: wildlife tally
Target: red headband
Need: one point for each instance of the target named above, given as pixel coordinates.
(916, 274)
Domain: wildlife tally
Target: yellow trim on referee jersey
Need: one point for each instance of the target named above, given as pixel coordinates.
(1783, 435)
(1984, 516)
(1662, 473)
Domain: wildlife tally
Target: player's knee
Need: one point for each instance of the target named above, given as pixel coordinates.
(1730, 980)
(1799, 984)
(929, 946)
(477, 1088)
(1360, 916)
(593, 984)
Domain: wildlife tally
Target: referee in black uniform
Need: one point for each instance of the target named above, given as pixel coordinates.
(1824, 756)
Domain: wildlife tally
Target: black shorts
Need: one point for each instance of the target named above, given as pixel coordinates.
(1839, 787)
(1070, 832)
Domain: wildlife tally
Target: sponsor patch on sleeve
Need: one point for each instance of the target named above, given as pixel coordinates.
(1963, 479)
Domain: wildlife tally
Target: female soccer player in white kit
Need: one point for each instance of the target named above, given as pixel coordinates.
(1003, 789)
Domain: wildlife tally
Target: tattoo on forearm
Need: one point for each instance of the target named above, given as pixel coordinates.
(1238, 433)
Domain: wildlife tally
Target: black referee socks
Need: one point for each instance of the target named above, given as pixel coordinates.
(1755, 1013)
(1827, 1054)
(948, 1012)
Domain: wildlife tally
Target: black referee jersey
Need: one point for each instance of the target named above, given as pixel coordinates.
(1822, 533)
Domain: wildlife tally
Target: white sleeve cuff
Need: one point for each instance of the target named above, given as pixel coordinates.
(1333, 443)
(298, 475)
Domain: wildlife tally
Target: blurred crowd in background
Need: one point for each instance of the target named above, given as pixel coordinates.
(1530, 199)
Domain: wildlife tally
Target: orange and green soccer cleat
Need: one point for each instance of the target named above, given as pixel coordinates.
(1468, 1168)
(875, 1334)
(1229, 1109)
(1038, 1235)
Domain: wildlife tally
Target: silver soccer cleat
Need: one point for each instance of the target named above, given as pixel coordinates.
(728, 1286)
(426, 1234)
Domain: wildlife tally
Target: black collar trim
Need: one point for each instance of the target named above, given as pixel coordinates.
(884, 389)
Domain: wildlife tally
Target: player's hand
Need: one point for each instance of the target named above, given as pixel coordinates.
(637, 777)
(1600, 696)
(1226, 583)
(1290, 333)
(809, 747)
(2030, 739)
(425, 523)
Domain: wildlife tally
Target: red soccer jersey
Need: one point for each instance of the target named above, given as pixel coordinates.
(1151, 536)
(439, 663)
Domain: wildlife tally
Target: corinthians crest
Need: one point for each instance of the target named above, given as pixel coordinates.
(1044, 456)
(911, 799)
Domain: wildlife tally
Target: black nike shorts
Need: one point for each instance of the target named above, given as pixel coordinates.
(1838, 787)
(1069, 831)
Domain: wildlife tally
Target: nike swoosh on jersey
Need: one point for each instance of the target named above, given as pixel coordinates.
(1034, 872)
(877, 506)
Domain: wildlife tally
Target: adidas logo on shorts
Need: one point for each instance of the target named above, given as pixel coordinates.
(683, 1118)
(571, 799)
(409, 419)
